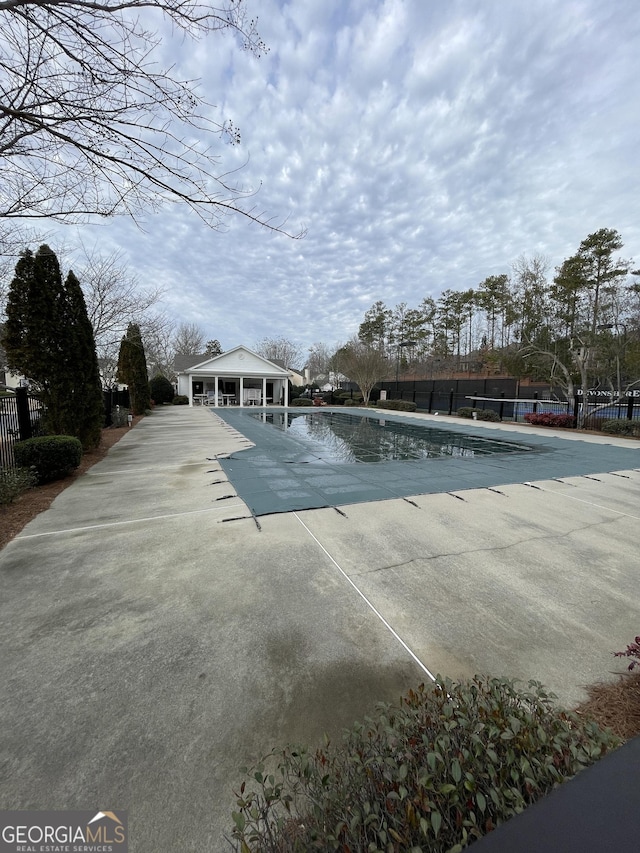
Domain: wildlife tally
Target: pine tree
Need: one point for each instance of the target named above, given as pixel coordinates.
(132, 370)
(48, 338)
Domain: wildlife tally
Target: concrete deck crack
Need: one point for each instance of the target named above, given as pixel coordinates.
(542, 538)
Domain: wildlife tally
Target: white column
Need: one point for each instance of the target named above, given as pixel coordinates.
(264, 392)
(216, 390)
(286, 391)
(190, 389)
(241, 391)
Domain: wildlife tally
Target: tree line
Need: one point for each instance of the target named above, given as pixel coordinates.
(578, 329)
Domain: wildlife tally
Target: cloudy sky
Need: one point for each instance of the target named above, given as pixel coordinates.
(422, 144)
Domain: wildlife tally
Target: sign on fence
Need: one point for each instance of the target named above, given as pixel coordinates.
(601, 392)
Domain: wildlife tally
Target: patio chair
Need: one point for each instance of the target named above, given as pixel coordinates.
(252, 397)
(210, 399)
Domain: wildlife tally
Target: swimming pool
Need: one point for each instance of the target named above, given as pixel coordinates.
(282, 473)
(338, 437)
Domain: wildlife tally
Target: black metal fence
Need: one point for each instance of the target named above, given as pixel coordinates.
(446, 396)
(20, 415)
(114, 399)
(21, 412)
(503, 396)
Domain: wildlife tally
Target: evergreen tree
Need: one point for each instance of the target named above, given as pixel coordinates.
(376, 328)
(49, 339)
(33, 338)
(132, 370)
(85, 385)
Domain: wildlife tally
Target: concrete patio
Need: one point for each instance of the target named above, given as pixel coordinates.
(156, 637)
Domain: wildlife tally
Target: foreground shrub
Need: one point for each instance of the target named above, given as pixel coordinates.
(14, 481)
(396, 405)
(632, 651)
(180, 400)
(550, 419)
(49, 457)
(480, 414)
(621, 426)
(301, 401)
(445, 767)
(353, 401)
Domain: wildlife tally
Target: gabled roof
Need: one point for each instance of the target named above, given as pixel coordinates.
(234, 362)
(182, 362)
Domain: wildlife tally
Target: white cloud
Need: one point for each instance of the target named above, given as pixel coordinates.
(423, 145)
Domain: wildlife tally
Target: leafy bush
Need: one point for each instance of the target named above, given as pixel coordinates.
(445, 767)
(161, 390)
(480, 414)
(621, 426)
(14, 481)
(488, 415)
(301, 401)
(632, 651)
(396, 405)
(550, 419)
(180, 400)
(353, 401)
(49, 457)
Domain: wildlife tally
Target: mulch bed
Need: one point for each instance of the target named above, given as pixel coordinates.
(615, 705)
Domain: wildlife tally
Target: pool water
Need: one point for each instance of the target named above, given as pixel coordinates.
(338, 437)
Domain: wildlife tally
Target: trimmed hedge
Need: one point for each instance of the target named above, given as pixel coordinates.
(49, 457)
(621, 426)
(550, 419)
(180, 400)
(480, 414)
(301, 401)
(396, 405)
(445, 767)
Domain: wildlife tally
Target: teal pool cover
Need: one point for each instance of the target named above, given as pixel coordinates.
(324, 458)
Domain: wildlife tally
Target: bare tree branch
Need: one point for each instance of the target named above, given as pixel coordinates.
(189, 339)
(90, 124)
(363, 364)
(280, 349)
